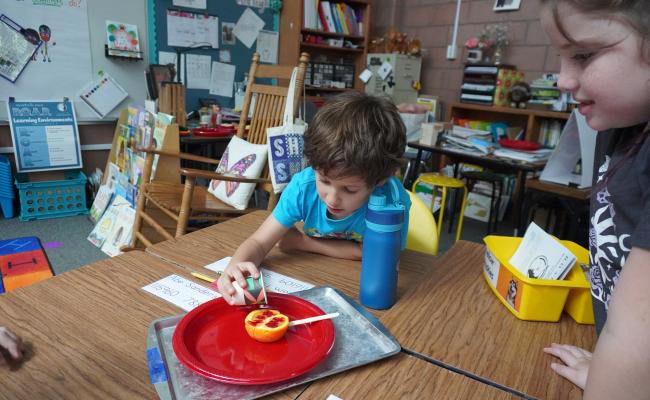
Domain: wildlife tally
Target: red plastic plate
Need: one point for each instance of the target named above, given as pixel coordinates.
(519, 144)
(214, 132)
(212, 341)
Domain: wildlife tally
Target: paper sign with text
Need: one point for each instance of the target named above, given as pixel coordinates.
(181, 292)
(273, 281)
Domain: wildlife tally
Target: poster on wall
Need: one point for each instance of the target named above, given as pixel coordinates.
(63, 59)
(44, 135)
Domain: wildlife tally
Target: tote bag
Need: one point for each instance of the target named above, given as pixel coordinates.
(286, 143)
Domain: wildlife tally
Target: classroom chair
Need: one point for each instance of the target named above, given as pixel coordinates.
(422, 233)
(180, 203)
(444, 182)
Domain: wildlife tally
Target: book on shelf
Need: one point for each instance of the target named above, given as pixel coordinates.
(310, 14)
(326, 8)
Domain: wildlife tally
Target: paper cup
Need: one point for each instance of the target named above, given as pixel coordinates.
(255, 292)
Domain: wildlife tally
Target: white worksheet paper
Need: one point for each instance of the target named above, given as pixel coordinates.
(181, 292)
(540, 256)
(223, 76)
(200, 4)
(198, 71)
(273, 281)
(248, 27)
(267, 46)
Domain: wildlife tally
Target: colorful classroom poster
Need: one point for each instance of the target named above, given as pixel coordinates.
(122, 39)
(44, 134)
(62, 62)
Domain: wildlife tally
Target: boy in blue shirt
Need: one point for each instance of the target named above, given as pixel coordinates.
(354, 145)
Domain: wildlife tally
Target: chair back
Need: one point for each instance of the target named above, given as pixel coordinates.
(422, 233)
(268, 105)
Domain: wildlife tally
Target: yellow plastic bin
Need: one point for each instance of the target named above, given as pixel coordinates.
(537, 299)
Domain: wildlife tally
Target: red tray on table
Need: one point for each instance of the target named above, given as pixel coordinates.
(219, 131)
(519, 144)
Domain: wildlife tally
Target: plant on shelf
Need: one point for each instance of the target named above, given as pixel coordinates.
(489, 46)
(498, 34)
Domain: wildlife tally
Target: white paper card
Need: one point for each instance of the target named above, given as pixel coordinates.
(577, 143)
(223, 76)
(267, 46)
(274, 281)
(248, 27)
(198, 71)
(365, 75)
(540, 256)
(384, 70)
(200, 4)
(181, 292)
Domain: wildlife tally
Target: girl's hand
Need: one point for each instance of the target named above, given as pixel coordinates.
(235, 272)
(11, 346)
(576, 362)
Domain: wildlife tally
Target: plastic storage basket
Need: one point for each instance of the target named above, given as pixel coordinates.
(537, 299)
(52, 199)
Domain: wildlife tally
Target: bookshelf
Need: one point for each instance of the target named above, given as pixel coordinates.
(299, 32)
(529, 119)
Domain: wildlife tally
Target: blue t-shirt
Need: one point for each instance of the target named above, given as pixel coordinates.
(300, 202)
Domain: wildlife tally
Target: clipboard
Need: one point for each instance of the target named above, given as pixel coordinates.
(17, 47)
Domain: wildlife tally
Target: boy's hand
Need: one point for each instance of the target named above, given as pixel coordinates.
(576, 362)
(11, 346)
(292, 240)
(235, 272)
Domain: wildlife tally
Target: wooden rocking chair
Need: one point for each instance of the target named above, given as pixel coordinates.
(176, 203)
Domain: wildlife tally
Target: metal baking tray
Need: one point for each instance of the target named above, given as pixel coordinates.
(360, 339)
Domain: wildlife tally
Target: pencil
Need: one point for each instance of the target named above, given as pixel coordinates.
(203, 277)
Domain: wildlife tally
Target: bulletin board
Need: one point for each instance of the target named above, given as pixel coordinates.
(227, 11)
(81, 23)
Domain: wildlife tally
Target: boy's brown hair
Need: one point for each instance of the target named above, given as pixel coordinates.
(355, 134)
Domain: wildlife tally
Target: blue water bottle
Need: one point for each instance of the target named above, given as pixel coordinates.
(382, 246)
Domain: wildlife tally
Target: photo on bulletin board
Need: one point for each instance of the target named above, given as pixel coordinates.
(227, 33)
(507, 5)
(159, 74)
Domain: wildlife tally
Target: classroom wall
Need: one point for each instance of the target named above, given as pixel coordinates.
(432, 22)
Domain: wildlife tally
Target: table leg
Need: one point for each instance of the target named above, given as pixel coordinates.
(413, 172)
(520, 188)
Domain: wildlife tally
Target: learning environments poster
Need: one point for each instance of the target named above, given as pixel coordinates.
(44, 134)
(62, 60)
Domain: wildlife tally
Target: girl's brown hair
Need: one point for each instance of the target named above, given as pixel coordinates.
(355, 134)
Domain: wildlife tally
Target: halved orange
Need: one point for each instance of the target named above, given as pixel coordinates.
(266, 325)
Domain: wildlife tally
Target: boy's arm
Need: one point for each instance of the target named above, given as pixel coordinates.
(620, 366)
(296, 240)
(249, 255)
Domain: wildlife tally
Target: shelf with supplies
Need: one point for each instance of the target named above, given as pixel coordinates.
(528, 119)
(334, 32)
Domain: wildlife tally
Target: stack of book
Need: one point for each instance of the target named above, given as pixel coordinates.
(544, 92)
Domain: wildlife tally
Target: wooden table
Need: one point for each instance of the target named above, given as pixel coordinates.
(86, 330)
(521, 168)
(402, 377)
(454, 318)
(197, 249)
